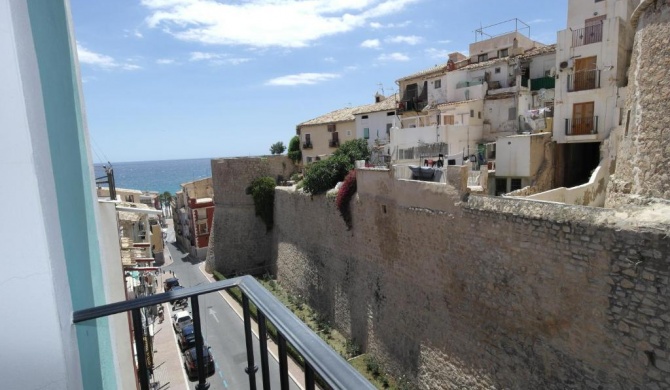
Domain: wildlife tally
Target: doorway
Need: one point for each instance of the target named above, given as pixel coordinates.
(575, 163)
(582, 119)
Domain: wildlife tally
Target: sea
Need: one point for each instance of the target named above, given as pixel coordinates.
(160, 176)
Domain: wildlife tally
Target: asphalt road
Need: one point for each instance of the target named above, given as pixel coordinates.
(222, 329)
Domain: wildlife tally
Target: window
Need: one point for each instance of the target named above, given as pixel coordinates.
(309, 159)
(388, 128)
(364, 117)
(515, 185)
(497, 70)
(308, 139)
(482, 57)
(448, 119)
(503, 53)
(331, 127)
(472, 113)
(511, 114)
(479, 115)
(202, 228)
(438, 84)
(390, 113)
(366, 133)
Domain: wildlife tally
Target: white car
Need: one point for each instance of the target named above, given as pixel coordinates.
(180, 319)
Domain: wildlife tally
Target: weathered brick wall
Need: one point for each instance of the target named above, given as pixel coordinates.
(240, 241)
(644, 150)
(495, 293)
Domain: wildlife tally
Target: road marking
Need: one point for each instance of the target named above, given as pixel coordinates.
(213, 313)
(225, 383)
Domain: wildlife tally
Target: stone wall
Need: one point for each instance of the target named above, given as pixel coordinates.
(644, 150)
(492, 293)
(240, 240)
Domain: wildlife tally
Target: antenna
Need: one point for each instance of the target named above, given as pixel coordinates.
(381, 86)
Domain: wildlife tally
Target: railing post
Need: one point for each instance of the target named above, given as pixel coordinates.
(199, 344)
(283, 362)
(567, 126)
(262, 337)
(251, 368)
(309, 377)
(142, 370)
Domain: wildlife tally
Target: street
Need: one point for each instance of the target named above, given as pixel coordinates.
(222, 329)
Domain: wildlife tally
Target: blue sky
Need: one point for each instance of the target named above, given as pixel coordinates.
(176, 79)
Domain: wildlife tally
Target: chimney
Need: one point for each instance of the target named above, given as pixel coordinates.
(378, 97)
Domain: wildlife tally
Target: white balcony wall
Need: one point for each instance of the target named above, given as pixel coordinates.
(437, 95)
(377, 123)
(513, 156)
(458, 138)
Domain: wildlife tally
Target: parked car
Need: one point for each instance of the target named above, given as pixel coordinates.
(186, 337)
(170, 283)
(175, 301)
(180, 319)
(190, 362)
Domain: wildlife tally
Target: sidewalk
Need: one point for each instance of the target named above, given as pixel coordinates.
(294, 370)
(168, 363)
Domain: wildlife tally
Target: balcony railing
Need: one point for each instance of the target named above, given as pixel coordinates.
(319, 358)
(334, 143)
(587, 35)
(584, 80)
(581, 126)
(542, 83)
(307, 145)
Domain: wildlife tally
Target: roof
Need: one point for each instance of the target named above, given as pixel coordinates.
(389, 103)
(341, 115)
(425, 72)
(536, 51)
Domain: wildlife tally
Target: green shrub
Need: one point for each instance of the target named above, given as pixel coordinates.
(324, 175)
(356, 149)
(262, 190)
(294, 152)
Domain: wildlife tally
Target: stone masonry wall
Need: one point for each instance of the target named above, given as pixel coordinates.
(240, 240)
(644, 150)
(492, 293)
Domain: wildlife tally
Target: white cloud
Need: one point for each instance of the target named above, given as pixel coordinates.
(444, 41)
(377, 25)
(302, 79)
(370, 43)
(329, 59)
(164, 61)
(537, 21)
(408, 39)
(217, 58)
(200, 56)
(103, 61)
(278, 23)
(135, 33)
(393, 57)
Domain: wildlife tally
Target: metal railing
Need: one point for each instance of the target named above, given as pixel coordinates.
(334, 143)
(542, 83)
(307, 145)
(319, 358)
(584, 80)
(587, 35)
(581, 126)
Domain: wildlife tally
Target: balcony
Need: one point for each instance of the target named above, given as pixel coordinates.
(581, 126)
(584, 80)
(542, 83)
(587, 35)
(334, 143)
(411, 105)
(307, 145)
(320, 360)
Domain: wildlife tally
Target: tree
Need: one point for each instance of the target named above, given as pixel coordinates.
(166, 200)
(294, 152)
(262, 190)
(277, 148)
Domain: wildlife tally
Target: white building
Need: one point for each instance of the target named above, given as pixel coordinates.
(591, 61)
(374, 121)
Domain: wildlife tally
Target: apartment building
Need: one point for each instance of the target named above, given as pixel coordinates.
(592, 58)
(321, 136)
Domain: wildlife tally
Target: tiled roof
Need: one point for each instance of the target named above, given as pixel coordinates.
(388, 103)
(341, 115)
(484, 64)
(538, 51)
(425, 72)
